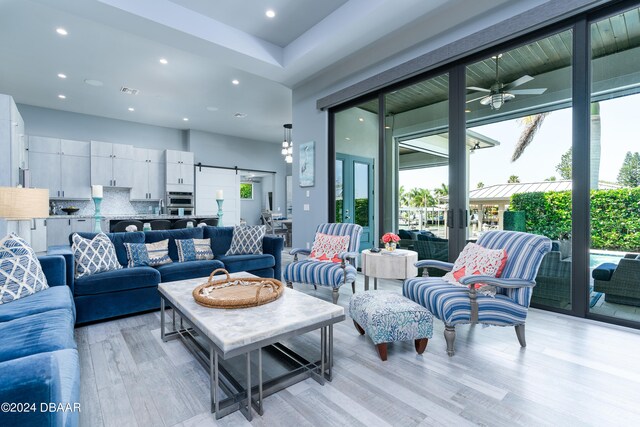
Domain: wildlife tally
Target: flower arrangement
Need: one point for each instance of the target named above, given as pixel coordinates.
(390, 238)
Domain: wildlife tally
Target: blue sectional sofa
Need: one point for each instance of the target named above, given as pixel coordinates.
(133, 290)
(38, 357)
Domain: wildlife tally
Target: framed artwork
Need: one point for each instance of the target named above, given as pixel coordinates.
(307, 164)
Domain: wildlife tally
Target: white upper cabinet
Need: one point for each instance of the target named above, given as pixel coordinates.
(148, 174)
(112, 164)
(179, 170)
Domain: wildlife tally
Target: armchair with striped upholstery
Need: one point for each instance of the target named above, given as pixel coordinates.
(329, 274)
(454, 304)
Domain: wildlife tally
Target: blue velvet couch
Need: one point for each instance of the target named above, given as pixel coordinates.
(133, 290)
(38, 357)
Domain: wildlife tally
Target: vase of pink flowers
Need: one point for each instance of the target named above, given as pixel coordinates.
(390, 241)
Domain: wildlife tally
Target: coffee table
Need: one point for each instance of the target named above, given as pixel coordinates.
(381, 265)
(216, 335)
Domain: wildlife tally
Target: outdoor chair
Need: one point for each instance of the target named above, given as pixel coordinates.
(619, 283)
(455, 304)
(323, 273)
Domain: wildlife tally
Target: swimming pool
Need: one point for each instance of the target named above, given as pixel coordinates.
(597, 258)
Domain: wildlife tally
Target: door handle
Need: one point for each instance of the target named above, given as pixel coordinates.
(62, 193)
(463, 219)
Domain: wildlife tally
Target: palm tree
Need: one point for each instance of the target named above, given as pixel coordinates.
(421, 198)
(403, 197)
(532, 125)
(514, 179)
(442, 191)
(480, 185)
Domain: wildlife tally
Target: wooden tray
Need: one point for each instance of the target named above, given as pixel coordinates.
(237, 293)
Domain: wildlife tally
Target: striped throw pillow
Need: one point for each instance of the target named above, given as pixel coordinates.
(151, 254)
(194, 249)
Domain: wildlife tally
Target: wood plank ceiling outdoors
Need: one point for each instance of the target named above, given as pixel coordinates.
(615, 34)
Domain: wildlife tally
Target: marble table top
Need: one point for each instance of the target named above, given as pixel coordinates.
(231, 330)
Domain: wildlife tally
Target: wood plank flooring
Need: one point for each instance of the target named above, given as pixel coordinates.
(573, 372)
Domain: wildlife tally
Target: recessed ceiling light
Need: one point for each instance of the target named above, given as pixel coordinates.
(348, 139)
(387, 127)
(466, 110)
(212, 108)
(240, 115)
(61, 31)
(361, 119)
(186, 119)
(163, 61)
(270, 13)
(131, 109)
(61, 96)
(235, 81)
(92, 82)
(62, 76)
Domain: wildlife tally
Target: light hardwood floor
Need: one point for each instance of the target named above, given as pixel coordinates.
(573, 372)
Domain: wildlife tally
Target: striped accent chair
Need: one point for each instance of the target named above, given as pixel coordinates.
(455, 304)
(330, 274)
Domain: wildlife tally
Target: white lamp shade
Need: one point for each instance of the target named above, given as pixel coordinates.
(284, 151)
(23, 203)
(289, 158)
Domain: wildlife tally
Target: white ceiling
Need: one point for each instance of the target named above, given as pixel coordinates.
(208, 44)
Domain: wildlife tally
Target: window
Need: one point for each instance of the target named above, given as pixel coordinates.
(246, 191)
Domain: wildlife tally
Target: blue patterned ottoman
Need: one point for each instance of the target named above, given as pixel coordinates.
(387, 316)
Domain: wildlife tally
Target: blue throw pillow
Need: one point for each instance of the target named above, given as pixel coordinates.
(151, 254)
(194, 249)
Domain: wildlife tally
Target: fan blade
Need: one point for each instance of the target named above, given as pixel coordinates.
(522, 80)
(475, 99)
(478, 89)
(538, 91)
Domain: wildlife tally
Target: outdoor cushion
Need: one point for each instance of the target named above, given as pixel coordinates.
(118, 240)
(172, 235)
(53, 298)
(38, 333)
(235, 263)
(604, 271)
(117, 280)
(188, 270)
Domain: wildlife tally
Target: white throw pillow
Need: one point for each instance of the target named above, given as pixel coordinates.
(20, 271)
(94, 255)
(476, 260)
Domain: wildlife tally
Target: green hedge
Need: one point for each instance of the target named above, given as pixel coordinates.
(615, 216)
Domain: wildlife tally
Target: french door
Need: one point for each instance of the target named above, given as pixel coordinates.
(354, 194)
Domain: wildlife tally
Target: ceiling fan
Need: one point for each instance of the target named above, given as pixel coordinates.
(499, 93)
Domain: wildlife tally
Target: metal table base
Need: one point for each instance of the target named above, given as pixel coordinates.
(244, 397)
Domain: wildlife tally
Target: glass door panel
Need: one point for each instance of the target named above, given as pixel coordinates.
(417, 149)
(519, 139)
(356, 145)
(615, 167)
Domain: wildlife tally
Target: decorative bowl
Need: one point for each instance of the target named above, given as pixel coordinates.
(70, 211)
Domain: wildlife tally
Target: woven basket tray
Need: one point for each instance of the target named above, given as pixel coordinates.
(237, 293)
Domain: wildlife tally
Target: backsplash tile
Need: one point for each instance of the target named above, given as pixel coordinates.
(115, 202)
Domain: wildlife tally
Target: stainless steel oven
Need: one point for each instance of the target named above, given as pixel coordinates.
(177, 199)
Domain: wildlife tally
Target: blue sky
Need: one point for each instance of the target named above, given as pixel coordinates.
(620, 131)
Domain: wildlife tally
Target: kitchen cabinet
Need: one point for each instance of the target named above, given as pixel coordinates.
(59, 229)
(112, 164)
(62, 166)
(34, 231)
(148, 175)
(179, 169)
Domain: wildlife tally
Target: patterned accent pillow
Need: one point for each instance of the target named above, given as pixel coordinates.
(247, 240)
(194, 249)
(20, 272)
(151, 254)
(93, 255)
(476, 260)
(327, 247)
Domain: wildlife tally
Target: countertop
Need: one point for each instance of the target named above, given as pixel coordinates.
(122, 217)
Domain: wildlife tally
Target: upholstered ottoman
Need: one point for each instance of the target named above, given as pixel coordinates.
(388, 316)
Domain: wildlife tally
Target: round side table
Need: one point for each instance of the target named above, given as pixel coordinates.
(381, 265)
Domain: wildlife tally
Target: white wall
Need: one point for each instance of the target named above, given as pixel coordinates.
(229, 151)
(83, 127)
